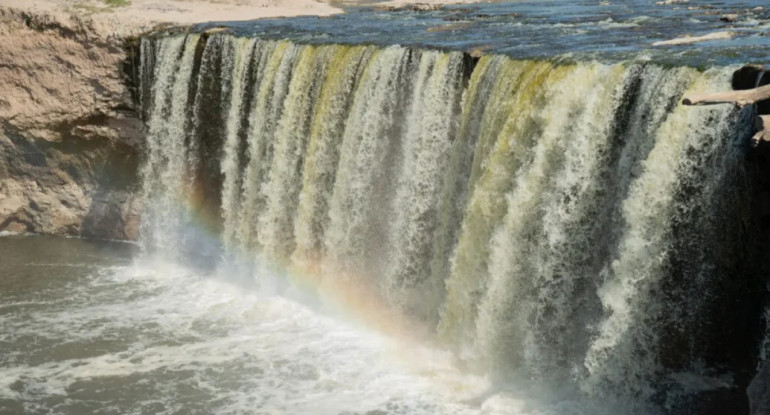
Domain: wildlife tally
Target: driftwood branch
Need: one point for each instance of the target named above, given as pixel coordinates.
(740, 98)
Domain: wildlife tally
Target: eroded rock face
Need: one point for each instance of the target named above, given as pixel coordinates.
(69, 134)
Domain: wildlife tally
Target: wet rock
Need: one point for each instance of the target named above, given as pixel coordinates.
(753, 76)
(479, 51)
(113, 215)
(750, 76)
(759, 392)
(729, 18)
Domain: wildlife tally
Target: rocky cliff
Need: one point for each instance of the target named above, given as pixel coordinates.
(69, 132)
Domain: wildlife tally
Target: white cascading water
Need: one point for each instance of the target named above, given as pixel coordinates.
(164, 175)
(626, 291)
(520, 210)
(241, 52)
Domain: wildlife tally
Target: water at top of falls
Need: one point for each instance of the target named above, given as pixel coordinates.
(611, 30)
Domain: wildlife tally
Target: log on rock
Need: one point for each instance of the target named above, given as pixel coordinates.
(740, 98)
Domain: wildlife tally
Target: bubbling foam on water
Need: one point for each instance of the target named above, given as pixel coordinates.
(156, 336)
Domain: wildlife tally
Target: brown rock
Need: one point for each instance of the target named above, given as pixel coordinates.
(66, 128)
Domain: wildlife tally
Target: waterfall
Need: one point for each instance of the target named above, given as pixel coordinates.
(544, 220)
(165, 170)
